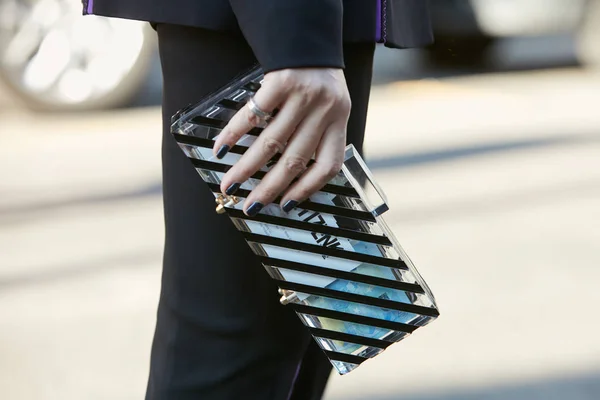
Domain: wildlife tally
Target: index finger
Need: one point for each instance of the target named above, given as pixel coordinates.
(267, 98)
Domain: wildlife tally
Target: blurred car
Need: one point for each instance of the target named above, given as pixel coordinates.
(54, 59)
(464, 29)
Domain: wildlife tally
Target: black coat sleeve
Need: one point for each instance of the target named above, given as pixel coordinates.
(292, 33)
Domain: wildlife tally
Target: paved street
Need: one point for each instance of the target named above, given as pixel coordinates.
(494, 185)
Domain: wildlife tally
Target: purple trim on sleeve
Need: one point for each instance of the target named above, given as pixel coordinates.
(90, 7)
(377, 24)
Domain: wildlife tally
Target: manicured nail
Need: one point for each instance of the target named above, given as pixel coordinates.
(254, 208)
(232, 189)
(289, 205)
(222, 151)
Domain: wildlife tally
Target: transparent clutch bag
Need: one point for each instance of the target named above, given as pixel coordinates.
(336, 262)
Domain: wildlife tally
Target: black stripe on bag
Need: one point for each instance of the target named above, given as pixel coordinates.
(358, 319)
(328, 188)
(252, 86)
(309, 205)
(208, 144)
(208, 121)
(202, 120)
(218, 167)
(346, 337)
(335, 273)
(347, 358)
(204, 142)
(308, 226)
(357, 298)
(232, 104)
(324, 250)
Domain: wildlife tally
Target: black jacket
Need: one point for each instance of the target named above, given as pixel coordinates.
(288, 33)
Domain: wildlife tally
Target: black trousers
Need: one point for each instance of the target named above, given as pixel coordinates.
(221, 332)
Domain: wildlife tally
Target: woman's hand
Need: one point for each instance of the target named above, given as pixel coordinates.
(313, 109)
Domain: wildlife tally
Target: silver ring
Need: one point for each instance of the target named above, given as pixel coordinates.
(263, 116)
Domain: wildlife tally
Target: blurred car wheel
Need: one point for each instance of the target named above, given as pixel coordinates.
(588, 41)
(54, 59)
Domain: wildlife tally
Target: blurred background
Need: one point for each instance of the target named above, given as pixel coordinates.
(487, 144)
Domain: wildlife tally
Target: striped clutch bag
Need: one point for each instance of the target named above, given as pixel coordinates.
(336, 262)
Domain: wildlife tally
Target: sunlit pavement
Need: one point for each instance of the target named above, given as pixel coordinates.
(494, 185)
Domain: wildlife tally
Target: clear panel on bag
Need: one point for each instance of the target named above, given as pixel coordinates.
(219, 113)
(348, 347)
(240, 95)
(317, 238)
(357, 267)
(347, 286)
(352, 328)
(362, 180)
(343, 367)
(199, 131)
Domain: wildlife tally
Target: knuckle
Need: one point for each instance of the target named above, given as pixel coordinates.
(345, 102)
(305, 92)
(332, 95)
(272, 146)
(336, 99)
(304, 86)
(251, 118)
(320, 92)
(295, 164)
(305, 100)
(310, 89)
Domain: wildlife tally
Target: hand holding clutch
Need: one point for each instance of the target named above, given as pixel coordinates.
(313, 106)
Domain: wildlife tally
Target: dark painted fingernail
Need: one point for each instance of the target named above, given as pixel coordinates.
(222, 151)
(254, 208)
(232, 189)
(289, 205)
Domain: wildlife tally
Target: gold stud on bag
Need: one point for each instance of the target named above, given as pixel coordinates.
(287, 296)
(333, 257)
(224, 201)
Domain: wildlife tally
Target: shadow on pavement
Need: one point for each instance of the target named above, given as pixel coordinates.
(581, 387)
(430, 157)
(16, 213)
(132, 260)
(533, 197)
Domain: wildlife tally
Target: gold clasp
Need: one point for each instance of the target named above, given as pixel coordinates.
(224, 200)
(287, 296)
